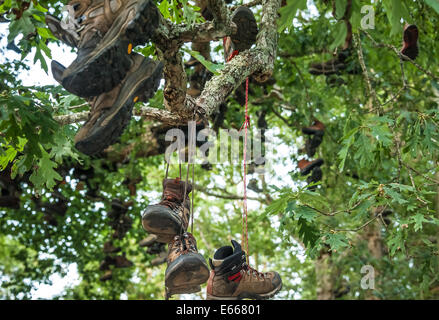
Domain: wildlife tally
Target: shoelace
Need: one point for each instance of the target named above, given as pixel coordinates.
(253, 271)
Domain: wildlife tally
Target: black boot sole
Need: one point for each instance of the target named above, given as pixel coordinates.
(107, 65)
(121, 113)
(311, 166)
(186, 274)
(162, 222)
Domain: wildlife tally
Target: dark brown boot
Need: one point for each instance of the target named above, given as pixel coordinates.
(246, 35)
(410, 41)
(108, 275)
(110, 248)
(317, 128)
(232, 279)
(148, 241)
(122, 262)
(306, 166)
(187, 269)
(171, 216)
(108, 31)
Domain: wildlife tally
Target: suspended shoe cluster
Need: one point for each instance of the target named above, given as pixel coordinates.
(315, 134)
(121, 224)
(107, 72)
(113, 78)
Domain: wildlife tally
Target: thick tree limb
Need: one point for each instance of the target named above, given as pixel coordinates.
(144, 112)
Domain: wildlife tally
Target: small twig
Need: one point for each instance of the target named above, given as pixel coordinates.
(420, 174)
(331, 214)
(359, 228)
(371, 91)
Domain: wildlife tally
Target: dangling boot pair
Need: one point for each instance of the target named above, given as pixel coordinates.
(107, 72)
(315, 132)
(168, 222)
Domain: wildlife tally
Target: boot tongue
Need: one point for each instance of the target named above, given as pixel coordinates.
(236, 246)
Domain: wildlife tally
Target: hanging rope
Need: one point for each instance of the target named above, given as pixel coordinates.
(244, 126)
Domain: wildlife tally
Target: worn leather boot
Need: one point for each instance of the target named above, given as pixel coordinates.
(232, 279)
(317, 128)
(171, 216)
(246, 35)
(410, 41)
(110, 248)
(111, 112)
(108, 31)
(306, 166)
(187, 269)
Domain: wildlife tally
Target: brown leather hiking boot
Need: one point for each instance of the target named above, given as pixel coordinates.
(343, 62)
(111, 112)
(110, 248)
(148, 241)
(108, 275)
(122, 262)
(306, 166)
(108, 31)
(315, 177)
(317, 128)
(171, 216)
(410, 41)
(232, 279)
(187, 269)
(246, 35)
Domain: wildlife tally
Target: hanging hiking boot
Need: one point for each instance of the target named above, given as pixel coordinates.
(108, 275)
(187, 269)
(110, 248)
(162, 257)
(312, 144)
(122, 262)
(148, 241)
(111, 112)
(317, 128)
(171, 215)
(410, 43)
(253, 185)
(108, 30)
(106, 263)
(156, 248)
(232, 279)
(245, 37)
(7, 201)
(332, 66)
(69, 37)
(306, 166)
(315, 177)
